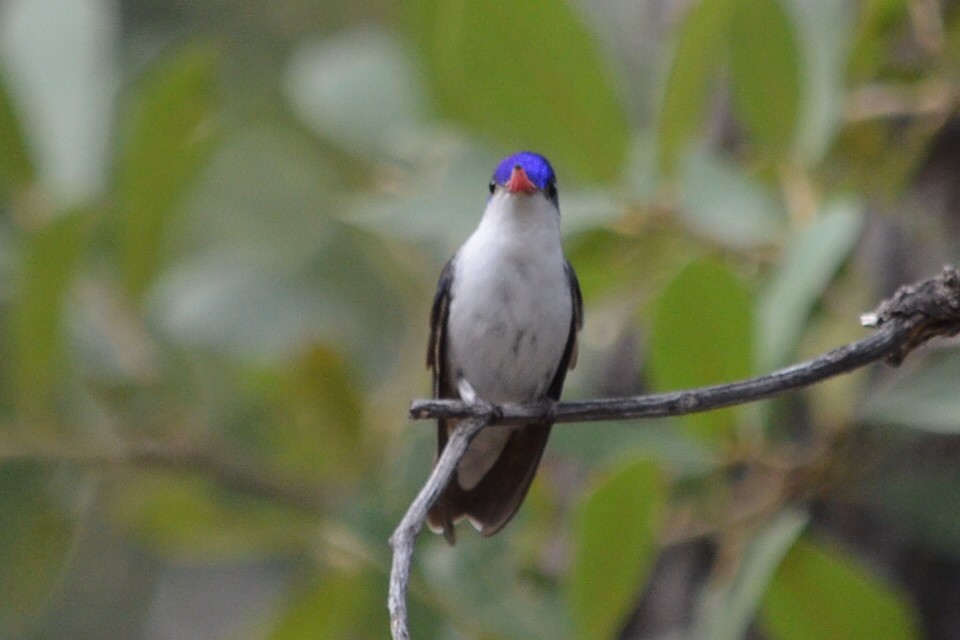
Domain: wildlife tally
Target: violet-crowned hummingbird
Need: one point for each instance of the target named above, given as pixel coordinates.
(503, 330)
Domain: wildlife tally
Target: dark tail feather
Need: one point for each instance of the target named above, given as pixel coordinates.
(497, 497)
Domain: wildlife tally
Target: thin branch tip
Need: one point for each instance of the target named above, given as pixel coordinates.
(925, 309)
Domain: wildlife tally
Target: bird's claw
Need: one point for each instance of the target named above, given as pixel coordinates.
(481, 408)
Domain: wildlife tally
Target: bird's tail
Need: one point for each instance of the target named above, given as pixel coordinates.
(492, 500)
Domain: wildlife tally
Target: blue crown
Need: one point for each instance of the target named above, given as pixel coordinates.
(536, 167)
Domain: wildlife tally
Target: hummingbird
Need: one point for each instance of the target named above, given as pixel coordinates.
(503, 329)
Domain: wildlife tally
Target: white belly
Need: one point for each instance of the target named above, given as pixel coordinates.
(509, 319)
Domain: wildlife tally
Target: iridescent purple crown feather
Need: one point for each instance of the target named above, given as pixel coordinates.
(536, 167)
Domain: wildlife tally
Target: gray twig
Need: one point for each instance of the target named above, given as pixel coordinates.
(910, 317)
(406, 532)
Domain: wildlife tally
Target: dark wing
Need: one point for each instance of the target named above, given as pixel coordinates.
(569, 359)
(495, 499)
(440, 518)
(437, 346)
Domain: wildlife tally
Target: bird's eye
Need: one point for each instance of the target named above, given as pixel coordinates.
(493, 186)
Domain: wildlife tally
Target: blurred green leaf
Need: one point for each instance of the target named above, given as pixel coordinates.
(168, 133)
(641, 171)
(926, 399)
(821, 593)
(671, 448)
(863, 150)
(765, 69)
(702, 334)
(787, 64)
(604, 259)
(264, 191)
(700, 50)
(811, 262)
(553, 93)
(480, 587)
(107, 584)
(192, 517)
(727, 610)
(878, 29)
(311, 425)
(343, 606)
(16, 167)
(615, 265)
(35, 539)
(238, 305)
(719, 201)
(269, 308)
(50, 259)
(358, 88)
(614, 546)
(823, 31)
(587, 209)
(60, 65)
(362, 271)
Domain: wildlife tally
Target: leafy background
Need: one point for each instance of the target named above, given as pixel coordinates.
(220, 226)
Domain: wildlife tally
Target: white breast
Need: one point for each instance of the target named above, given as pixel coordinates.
(511, 305)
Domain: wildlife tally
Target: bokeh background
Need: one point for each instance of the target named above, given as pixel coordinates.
(221, 222)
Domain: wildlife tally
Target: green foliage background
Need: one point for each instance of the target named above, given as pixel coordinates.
(220, 228)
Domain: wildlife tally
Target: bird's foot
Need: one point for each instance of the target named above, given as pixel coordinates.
(478, 406)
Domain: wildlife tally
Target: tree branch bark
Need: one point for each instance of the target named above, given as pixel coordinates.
(406, 533)
(913, 315)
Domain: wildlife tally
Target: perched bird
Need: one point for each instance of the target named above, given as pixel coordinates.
(503, 330)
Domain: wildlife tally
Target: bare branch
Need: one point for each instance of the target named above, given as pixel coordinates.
(909, 318)
(405, 535)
